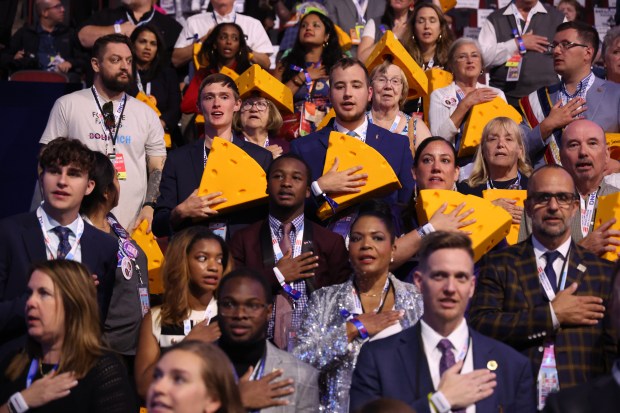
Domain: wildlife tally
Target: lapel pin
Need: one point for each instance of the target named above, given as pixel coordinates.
(581, 268)
(492, 365)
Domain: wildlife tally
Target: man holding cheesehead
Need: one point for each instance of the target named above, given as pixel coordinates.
(546, 296)
(350, 93)
(179, 205)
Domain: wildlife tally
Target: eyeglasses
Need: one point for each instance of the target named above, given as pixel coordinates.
(543, 198)
(228, 308)
(108, 115)
(260, 105)
(395, 81)
(564, 45)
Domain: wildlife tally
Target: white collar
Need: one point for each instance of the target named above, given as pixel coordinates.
(227, 17)
(459, 337)
(50, 223)
(360, 130)
(512, 9)
(540, 249)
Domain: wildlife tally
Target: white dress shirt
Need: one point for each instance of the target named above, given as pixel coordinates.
(361, 130)
(50, 223)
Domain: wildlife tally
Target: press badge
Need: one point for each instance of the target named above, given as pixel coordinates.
(514, 68)
(143, 293)
(356, 34)
(119, 164)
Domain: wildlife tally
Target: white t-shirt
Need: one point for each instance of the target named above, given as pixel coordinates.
(77, 116)
(200, 24)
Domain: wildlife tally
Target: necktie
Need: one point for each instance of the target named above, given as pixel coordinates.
(353, 133)
(447, 360)
(285, 242)
(551, 256)
(63, 246)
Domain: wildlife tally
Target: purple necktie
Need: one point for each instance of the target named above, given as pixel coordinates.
(447, 360)
(63, 246)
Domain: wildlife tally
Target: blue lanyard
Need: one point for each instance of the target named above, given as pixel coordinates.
(32, 371)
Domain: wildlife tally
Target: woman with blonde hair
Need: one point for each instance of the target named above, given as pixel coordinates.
(196, 260)
(390, 88)
(500, 163)
(65, 366)
(209, 385)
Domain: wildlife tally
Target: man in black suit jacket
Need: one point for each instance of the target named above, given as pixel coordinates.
(318, 260)
(34, 236)
(601, 395)
(178, 205)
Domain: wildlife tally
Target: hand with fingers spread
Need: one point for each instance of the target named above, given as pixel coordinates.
(266, 391)
(577, 310)
(463, 390)
(298, 268)
(197, 207)
(374, 323)
(345, 182)
(317, 72)
(560, 116)
(603, 239)
(52, 386)
(453, 221)
(534, 42)
(477, 96)
(206, 333)
(511, 206)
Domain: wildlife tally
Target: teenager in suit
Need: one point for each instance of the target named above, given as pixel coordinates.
(271, 380)
(580, 94)
(350, 93)
(54, 231)
(178, 205)
(547, 295)
(320, 259)
(440, 363)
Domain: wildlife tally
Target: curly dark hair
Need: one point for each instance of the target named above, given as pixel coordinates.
(332, 52)
(65, 151)
(209, 49)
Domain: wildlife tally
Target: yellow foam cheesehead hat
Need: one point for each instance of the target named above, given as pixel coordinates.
(155, 257)
(352, 152)
(608, 208)
(329, 116)
(518, 195)
(200, 61)
(344, 40)
(480, 115)
(236, 174)
(492, 222)
(613, 141)
(225, 70)
(437, 78)
(389, 45)
(258, 80)
(447, 5)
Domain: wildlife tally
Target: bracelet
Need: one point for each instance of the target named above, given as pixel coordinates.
(360, 327)
(439, 402)
(117, 28)
(316, 189)
(425, 229)
(17, 403)
(151, 204)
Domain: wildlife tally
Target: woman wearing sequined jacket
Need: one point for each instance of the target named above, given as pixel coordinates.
(372, 304)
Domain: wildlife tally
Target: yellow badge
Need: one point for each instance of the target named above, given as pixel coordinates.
(492, 365)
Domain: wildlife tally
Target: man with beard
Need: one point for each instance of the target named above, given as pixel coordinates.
(546, 296)
(271, 380)
(108, 120)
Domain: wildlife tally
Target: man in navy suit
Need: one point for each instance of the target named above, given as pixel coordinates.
(350, 93)
(54, 231)
(441, 364)
(178, 205)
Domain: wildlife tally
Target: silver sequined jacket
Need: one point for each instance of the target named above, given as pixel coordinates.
(322, 337)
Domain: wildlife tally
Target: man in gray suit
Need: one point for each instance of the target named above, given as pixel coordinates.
(271, 380)
(585, 155)
(579, 94)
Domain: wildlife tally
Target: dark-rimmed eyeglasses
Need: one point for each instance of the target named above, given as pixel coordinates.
(543, 198)
(108, 115)
(229, 308)
(564, 45)
(395, 81)
(261, 105)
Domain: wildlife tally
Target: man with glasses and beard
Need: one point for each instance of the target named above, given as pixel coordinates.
(546, 296)
(108, 120)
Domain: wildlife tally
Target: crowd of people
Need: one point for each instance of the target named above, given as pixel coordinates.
(388, 305)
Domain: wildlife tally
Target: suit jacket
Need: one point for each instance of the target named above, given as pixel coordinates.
(305, 399)
(509, 304)
(344, 14)
(181, 176)
(601, 396)
(252, 247)
(394, 148)
(603, 102)
(22, 245)
(396, 368)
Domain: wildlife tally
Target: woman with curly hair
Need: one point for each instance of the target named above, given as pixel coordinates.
(428, 36)
(224, 46)
(305, 67)
(195, 262)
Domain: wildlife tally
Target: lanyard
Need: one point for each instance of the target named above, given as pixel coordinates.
(48, 243)
(139, 23)
(277, 252)
(587, 211)
(359, 309)
(146, 91)
(515, 185)
(234, 20)
(394, 124)
(32, 371)
(518, 19)
(118, 120)
(546, 284)
(125, 247)
(204, 154)
(360, 6)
